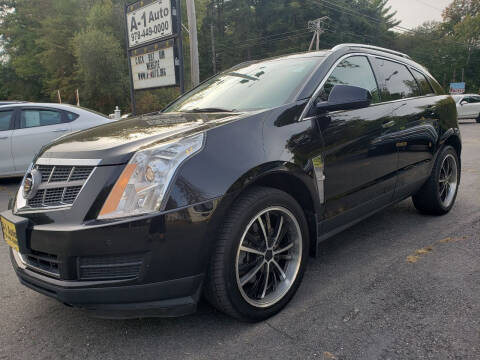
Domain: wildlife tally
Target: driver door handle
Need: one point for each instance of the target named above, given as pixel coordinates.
(60, 130)
(3, 137)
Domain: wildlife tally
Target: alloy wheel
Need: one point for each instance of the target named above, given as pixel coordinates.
(448, 180)
(268, 257)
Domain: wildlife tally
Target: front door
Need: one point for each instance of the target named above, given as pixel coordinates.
(360, 159)
(37, 128)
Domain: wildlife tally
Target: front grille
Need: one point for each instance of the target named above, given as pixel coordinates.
(44, 263)
(109, 267)
(60, 185)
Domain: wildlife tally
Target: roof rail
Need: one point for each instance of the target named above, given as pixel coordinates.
(342, 46)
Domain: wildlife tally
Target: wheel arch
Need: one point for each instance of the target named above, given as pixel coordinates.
(454, 141)
(294, 181)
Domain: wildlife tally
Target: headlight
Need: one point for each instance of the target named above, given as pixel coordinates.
(141, 187)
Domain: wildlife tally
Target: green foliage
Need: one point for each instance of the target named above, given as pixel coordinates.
(50, 45)
(100, 59)
(446, 48)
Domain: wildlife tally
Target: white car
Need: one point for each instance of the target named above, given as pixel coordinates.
(26, 127)
(468, 106)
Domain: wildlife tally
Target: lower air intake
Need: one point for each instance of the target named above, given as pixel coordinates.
(110, 267)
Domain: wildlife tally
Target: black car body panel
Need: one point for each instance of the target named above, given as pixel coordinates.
(371, 157)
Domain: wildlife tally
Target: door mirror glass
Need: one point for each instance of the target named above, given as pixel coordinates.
(345, 97)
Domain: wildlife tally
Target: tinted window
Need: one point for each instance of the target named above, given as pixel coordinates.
(260, 85)
(34, 118)
(71, 116)
(5, 119)
(422, 81)
(354, 71)
(474, 99)
(398, 82)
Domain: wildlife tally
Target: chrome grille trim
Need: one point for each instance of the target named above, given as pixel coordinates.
(67, 162)
(60, 187)
(59, 190)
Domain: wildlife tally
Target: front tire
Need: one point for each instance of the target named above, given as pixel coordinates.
(260, 255)
(439, 193)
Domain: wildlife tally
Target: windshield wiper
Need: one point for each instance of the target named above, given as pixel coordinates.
(210, 110)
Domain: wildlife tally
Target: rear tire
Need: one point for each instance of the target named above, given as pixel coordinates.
(439, 193)
(478, 119)
(260, 255)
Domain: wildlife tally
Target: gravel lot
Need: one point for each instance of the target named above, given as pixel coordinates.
(400, 285)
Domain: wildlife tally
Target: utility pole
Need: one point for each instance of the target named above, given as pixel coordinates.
(192, 28)
(454, 75)
(214, 54)
(318, 27)
(463, 75)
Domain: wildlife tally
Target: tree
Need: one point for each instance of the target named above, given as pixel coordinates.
(101, 62)
(459, 9)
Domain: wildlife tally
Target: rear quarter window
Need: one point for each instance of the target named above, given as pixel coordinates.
(71, 116)
(423, 83)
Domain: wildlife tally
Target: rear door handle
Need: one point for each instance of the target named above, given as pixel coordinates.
(3, 137)
(388, 125)
(60, 130)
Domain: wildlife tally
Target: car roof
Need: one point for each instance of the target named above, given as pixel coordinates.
(66, 107)
(344, 49)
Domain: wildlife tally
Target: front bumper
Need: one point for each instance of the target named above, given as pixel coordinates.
(172, 250)
(116, 300)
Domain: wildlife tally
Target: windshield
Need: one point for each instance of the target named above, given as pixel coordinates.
(262, 85)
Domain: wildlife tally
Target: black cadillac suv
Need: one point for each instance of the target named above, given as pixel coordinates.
(228, 191)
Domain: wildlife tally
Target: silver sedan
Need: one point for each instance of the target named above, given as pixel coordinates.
(26, 127)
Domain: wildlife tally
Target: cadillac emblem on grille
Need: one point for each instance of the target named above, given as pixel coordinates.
(31, 183)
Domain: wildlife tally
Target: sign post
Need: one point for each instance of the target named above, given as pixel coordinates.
(154, 45)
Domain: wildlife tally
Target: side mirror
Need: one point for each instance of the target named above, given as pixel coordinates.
(463, 102)
(346, 97)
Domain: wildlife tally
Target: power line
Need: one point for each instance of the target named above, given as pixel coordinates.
(273, 37)
(430, 6)
(350, 11)
(225, 48)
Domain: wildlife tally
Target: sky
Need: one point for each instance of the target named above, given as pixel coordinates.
(414, 13)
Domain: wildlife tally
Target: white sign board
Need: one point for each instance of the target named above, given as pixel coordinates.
(154, 67)
(149, 23)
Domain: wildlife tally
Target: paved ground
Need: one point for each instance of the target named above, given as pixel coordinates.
(362, 299)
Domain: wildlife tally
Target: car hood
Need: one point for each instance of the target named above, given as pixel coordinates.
(114, 143)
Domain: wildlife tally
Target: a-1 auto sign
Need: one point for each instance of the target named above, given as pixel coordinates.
(149, 21)
(154, 66)
(154, 37)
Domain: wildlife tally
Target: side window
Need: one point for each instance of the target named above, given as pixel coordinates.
(71, 116)
(6, 120)
(475, 99)
(35, 118)
(397, 81)
(425, 87)
(354, 71)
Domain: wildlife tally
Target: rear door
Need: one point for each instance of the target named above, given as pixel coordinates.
(416, 120)
(359, 158)
(36, 127)
(7, 117)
